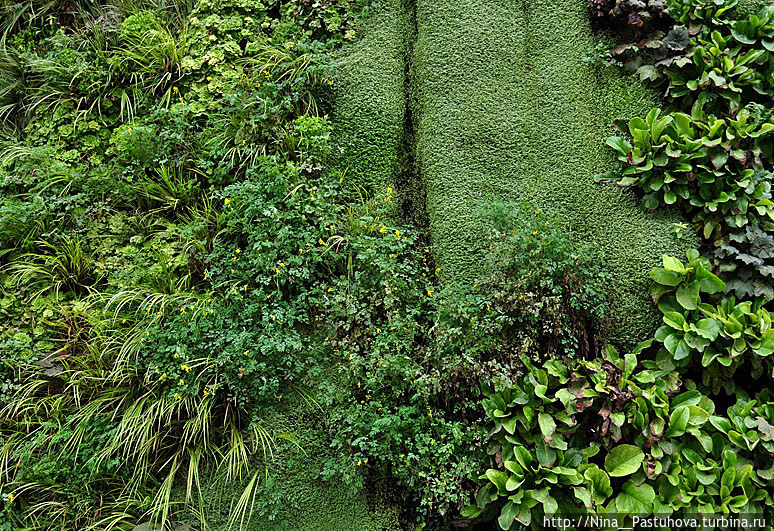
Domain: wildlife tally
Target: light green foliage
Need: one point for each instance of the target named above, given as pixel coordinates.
(663, 435)
(726, 335)
(509, 108)
(714, 166)
(712, 155)
(370, 99)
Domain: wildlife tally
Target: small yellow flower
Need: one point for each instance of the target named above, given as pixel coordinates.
(359, 462)
(330, 289)
(123, 321)
(209, 78)
(237, 250)
(10, 497)
(534, 233)
(389, 190)
(358, 385)
(247, 352)
(185, 368)
(226, 201)
(177, 396)
(281, 264)
(351, 357)
(175, 356)
(397, 233)
(403, 455)
(180, 381)
(162, 376)
(429, 293)
(175, 90)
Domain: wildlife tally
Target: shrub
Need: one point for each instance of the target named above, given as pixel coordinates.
(420, 350)
(616, 435)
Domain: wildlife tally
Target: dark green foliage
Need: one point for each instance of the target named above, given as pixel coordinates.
(747, 259)
(638, 15)
(152, 314)
(414, 374)
(545, 285)
(723, 67)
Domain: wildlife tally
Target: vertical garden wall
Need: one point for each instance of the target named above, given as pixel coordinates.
(502, 106)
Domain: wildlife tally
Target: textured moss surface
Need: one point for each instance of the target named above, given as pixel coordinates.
(294, 498)
(750, 6)
(369, 99)
(509, 109)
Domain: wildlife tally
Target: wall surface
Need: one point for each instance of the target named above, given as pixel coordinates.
(508, 108)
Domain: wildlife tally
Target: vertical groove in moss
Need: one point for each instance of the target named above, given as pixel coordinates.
(408, 180)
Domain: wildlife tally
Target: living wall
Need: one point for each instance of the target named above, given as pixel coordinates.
(344, 265)
(509, 109)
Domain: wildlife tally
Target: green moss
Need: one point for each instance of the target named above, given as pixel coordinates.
(509, 108)
(369, 99)
(750, 6)
(291, 495)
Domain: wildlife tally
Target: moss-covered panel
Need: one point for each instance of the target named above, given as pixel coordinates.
(370, 99)
(510, 109)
